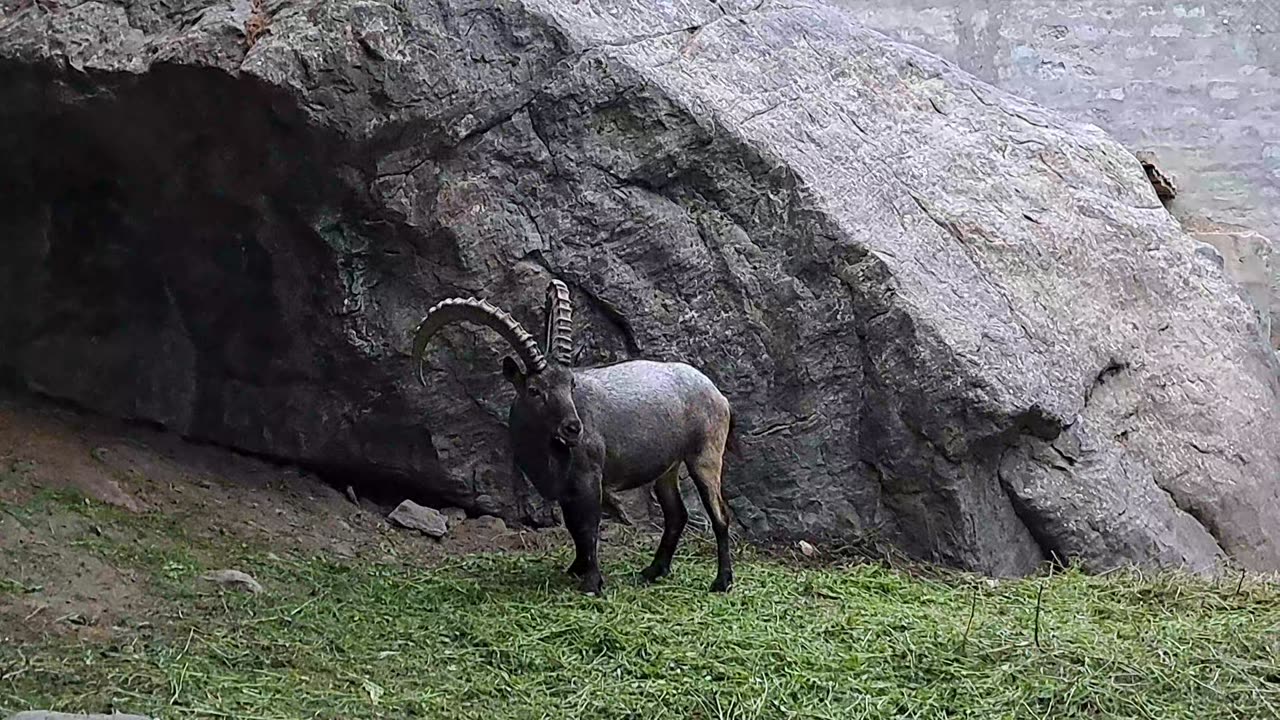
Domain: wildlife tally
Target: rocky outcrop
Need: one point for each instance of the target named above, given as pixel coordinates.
(1166, 189)
(946, 318)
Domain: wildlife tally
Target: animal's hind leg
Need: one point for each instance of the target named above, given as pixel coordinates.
(705, 468)
(674, 518)
(610, 502)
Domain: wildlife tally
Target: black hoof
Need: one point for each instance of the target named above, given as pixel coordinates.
(654, 573)
(722, 584)
(592, 585)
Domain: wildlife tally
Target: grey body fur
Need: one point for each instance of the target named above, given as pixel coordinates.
(645, 416)
(640, 420)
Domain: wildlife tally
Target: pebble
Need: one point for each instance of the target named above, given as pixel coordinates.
(233, 579)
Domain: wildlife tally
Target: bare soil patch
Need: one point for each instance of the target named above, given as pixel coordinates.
(211, 495)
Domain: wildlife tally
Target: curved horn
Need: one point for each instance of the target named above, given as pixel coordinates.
(479, 312)
(559, 314)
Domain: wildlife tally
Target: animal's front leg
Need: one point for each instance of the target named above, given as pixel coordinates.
(582, 518)
(579, 566)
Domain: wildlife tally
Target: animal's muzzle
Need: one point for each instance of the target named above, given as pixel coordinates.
(569, 432)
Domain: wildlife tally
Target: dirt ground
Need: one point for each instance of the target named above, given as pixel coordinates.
(213, 494)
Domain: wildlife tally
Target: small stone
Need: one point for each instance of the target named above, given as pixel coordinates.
(1210, 253)
(1160, 180)
(487, 504)
(351, 495)
(488, 524)
(233, 579)
(807, 550)
(416, 517)
(22, 467)
(454, 515)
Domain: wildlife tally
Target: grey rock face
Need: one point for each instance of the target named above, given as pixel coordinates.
(946, 318)
(424, 519)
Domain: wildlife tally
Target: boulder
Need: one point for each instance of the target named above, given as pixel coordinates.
(947, 318)
(487, 525)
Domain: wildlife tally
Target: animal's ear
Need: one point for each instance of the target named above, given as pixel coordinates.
(511, 371)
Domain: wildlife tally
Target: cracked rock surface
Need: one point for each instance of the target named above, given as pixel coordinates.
(946, 318)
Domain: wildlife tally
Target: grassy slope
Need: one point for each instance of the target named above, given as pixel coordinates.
(507, 637)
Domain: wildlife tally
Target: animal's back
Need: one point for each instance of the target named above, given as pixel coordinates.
(650, 414)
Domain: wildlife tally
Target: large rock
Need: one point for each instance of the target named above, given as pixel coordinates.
(946, 318)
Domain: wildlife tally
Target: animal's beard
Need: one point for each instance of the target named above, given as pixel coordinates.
(559, 459)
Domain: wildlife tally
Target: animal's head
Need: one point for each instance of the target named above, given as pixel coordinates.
(544, 390)
(546, 398)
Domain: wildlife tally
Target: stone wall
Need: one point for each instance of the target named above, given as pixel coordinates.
(1197, 83)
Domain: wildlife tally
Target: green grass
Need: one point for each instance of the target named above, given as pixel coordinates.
(507, 637)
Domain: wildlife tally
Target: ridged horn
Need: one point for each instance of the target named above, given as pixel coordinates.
(479, 312)
(559, 317)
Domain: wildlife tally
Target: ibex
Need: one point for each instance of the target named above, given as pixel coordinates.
(581, 434)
